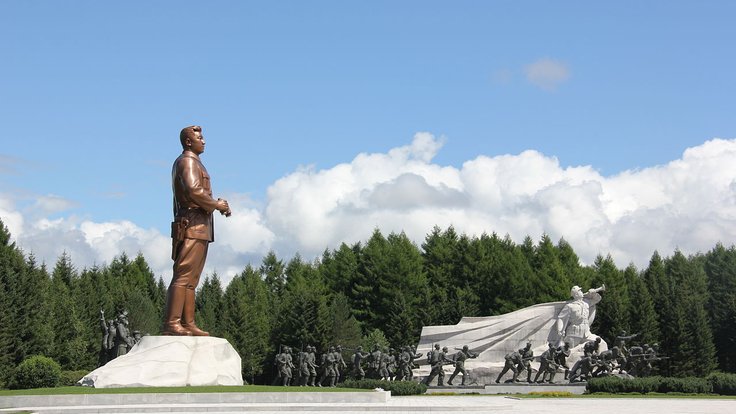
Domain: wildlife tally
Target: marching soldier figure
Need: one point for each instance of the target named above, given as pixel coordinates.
(460, 358)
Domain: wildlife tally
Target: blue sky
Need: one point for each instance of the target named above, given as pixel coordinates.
(94, 94)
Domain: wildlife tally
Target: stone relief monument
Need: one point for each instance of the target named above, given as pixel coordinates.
(493, 338)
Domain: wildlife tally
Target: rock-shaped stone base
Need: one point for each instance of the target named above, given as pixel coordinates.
(171, 361)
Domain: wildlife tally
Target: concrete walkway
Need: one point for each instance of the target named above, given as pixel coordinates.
(427, 404)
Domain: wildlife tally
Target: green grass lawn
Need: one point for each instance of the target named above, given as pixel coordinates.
(163, 390)
(596, 395)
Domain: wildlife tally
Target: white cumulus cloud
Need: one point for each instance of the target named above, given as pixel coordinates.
(688, 203)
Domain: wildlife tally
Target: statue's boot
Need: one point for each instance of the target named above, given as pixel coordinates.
(529, 376)
(188, 322)
(174, 306)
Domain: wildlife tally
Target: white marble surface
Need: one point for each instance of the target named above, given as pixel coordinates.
(171, 361)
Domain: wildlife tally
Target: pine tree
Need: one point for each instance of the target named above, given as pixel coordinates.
(303, 317)
(11, 263)
(503, 272)
(549, 277)
(612, 312)
(91, 296)
(670, 319)
(6, 340)
(69, 342)
(142, 314)
(339, 269)
(247, 321)
(399, 277)
(272, 270)
(439, 251)
(693, 352)
(35, 336)
(210, 304)
(720, 268)
(345, 329)
(642, 316)
(373, 338)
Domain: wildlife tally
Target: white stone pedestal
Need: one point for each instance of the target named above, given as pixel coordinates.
(171, 361)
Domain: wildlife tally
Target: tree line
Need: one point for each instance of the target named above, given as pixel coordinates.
(380, 291)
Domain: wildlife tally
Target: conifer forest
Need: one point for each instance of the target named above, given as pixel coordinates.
(382, 290)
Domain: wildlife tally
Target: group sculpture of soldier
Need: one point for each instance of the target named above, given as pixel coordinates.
(117, 339)
(546, 339)
(301, 367)
(437, 359)
(636, 361)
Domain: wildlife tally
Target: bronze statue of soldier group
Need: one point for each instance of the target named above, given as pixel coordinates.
(117, 338)
(382, 363)
(636, 361)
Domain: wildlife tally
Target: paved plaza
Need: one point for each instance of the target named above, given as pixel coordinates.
(425, 404)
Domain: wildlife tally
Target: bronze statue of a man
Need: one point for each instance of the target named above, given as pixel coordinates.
(191, 232)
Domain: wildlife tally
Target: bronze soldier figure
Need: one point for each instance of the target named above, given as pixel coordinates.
(358, 356)
(513, 360)
(191, 232)
(460, 358)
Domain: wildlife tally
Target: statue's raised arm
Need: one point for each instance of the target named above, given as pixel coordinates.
(574, 320)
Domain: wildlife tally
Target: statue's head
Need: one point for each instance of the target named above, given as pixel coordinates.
(465, 348)
(189, 138)
(567, 345)
(598, 340)
(529, 345)
(614, 350)
(576, 292)
(437, 346)
(444, 349)
(360, 348)
(331, 349)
